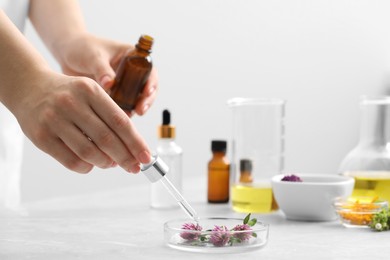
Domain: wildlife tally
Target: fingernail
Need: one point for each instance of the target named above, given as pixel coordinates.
(136, 168)
(151, 89)
(105, 81)
(144, 157)
(145, 108)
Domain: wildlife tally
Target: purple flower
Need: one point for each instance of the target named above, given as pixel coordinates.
(292, 178)
(220, 236)
(242, 235)
(191, 233)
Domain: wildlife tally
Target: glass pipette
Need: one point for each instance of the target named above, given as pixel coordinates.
(155, 171)
(179, 198)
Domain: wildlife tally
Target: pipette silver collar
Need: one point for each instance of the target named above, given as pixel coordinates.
(155, 170)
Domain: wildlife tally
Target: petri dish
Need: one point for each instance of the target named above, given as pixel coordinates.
(214, 235)
(358, 212)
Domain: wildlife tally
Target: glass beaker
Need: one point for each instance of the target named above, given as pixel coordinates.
(257, 152)
(369, 161)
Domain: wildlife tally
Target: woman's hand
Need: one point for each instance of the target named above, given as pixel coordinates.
(76, 122)
(87, 55)
(71, 118)
(60, 25)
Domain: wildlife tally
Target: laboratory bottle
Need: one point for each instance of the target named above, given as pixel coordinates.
(246, 171)
(132, 73)
(369, 162)
(169, 151)
(218, 173)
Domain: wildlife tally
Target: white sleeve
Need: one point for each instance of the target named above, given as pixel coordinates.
(17, 11)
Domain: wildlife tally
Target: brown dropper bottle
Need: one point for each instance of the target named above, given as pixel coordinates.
(246, 171)
(132, 74)
(218, 174)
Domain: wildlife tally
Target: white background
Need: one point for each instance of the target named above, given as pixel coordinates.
(320, 56)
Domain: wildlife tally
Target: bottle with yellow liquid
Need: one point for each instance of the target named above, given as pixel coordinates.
(257, 152)
(369, 161)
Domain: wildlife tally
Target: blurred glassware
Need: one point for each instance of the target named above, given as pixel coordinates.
(358, 211)
(369, 161)
(257, 152)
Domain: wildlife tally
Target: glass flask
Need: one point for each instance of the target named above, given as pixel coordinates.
(257, 152)
(369, 161)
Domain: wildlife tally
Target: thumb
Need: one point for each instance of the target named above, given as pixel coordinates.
(103, 73)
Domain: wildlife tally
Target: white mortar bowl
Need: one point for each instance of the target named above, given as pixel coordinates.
(313, 198)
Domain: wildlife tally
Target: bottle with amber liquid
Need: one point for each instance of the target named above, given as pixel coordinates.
(218, 174)
(132, 74)
(246, 171)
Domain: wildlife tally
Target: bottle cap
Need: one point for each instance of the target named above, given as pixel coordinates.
(155, 170)
(218, 146)
(166, 130)
(245, 165)
(145, 42)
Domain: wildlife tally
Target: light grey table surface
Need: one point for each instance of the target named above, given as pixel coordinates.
(120, 225)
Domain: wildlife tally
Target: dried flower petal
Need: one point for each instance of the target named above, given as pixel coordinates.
(220, 236)
(191, 235)
(242, 235)
(292, 178)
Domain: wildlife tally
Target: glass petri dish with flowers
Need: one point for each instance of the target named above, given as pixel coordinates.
(216, 235)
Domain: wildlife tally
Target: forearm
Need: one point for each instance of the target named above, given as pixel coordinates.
(56, 22)
(19, 63)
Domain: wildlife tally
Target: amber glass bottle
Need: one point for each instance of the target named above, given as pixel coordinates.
(218, 174)
(246, 171)
(132, 74)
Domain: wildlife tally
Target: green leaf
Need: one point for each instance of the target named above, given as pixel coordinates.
(234, 240)
(246, 219)
(254, 234)
(252, 222)
(381, 220)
